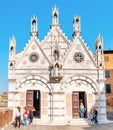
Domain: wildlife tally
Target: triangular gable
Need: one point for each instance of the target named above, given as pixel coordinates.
(79, 47)
(48, 43)
(33, 47)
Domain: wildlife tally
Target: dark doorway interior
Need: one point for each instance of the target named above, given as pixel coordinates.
(33, 100)
(82, 98)
(36, 103)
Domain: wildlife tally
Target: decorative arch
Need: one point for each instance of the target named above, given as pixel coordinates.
(34, 79)
(34, 21)
(12, 48)
(82, 79)
(55, 15)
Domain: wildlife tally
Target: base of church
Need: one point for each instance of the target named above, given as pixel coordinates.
(80, 121)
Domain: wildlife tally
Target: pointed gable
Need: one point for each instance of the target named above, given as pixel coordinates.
(32, 56)
(79, 55)
(55, 39)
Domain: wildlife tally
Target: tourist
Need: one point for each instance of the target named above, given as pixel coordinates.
(25, 116)
(17, 117)
(82, 110)
(31, 115)
(95, 116)
(91, 115)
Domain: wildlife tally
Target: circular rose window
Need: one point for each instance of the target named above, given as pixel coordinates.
(78, 57)
(34, 57)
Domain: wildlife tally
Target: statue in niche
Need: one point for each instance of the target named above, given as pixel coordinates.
(56, 69)
(56, 50)
(56, 54)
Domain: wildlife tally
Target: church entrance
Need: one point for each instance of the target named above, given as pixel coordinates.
(77, 98)
(33, 100)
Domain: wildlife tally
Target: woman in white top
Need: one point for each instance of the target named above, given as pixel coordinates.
(17, 117)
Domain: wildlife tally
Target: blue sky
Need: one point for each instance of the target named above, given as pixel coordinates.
(15, 15)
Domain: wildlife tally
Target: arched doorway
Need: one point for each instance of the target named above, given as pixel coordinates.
(33, 99)
(79, 89)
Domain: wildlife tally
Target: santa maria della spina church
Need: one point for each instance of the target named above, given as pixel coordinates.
(55, 75)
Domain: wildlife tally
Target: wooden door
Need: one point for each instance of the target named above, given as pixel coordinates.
(75, 104)
(29, 98)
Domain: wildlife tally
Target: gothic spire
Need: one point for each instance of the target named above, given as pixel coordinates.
(76, 26)
(34, 26)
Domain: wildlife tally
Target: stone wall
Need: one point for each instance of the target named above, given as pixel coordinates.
(5, 117)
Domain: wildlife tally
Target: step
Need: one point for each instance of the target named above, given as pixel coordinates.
(80, 121)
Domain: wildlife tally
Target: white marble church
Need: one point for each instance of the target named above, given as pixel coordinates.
(55, 75)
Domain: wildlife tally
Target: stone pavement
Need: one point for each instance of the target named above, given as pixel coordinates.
(63, 127)
(34, 126)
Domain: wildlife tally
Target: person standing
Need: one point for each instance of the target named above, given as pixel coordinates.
(91, 115)
(17, 117)
(82, 110)
(31, 115)
(95, 116)
(25, 116)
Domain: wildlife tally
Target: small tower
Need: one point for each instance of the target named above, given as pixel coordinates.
(76, 26)
(55, 18)
(12, 52)
(99, 51)
(34, 27)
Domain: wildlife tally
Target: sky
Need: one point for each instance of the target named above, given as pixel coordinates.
(15, 19)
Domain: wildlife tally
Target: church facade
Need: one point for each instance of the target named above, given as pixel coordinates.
(55, 75)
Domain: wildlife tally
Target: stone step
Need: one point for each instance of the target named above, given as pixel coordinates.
(80, 121)
(62, 122)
